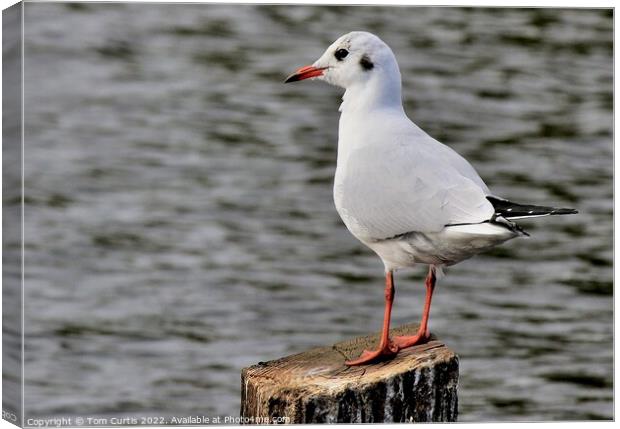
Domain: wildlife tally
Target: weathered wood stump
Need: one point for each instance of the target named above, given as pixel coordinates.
(418, 385)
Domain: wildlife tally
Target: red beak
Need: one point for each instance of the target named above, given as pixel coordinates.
(305, 73)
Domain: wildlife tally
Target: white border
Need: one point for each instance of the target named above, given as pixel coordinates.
(488, 3)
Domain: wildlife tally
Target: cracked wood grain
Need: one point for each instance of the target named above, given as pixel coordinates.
(418, 385)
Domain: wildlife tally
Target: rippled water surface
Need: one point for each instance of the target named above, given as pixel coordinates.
(180, 223)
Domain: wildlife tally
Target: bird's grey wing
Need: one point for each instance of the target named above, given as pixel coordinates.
(439, 151)
(388, 191)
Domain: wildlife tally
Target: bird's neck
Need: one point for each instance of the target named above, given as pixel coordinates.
(377, 92)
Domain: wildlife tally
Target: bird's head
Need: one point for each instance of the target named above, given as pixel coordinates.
(353, 59)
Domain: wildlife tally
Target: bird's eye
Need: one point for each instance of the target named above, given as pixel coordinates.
(340, 54)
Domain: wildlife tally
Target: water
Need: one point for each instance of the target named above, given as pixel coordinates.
(179, 217)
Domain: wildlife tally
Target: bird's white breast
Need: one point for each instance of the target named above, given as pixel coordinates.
(361, 149)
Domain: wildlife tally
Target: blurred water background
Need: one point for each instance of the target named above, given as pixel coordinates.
(179, 216)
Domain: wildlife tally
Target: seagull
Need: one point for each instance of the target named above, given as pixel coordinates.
(406, 196)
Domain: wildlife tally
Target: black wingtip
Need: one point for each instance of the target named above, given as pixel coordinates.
(564, 211)
(511, 210)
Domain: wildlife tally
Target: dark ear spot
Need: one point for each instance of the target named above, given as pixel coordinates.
(366, 63)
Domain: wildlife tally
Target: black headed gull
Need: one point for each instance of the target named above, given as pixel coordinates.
(400, 192)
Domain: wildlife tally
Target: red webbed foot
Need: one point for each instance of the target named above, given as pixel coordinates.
(382, 353)
(411, 340)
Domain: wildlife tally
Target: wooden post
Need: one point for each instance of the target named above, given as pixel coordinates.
(418, 385)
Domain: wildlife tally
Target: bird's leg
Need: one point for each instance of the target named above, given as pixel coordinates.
(423, 333)
(386, 347)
